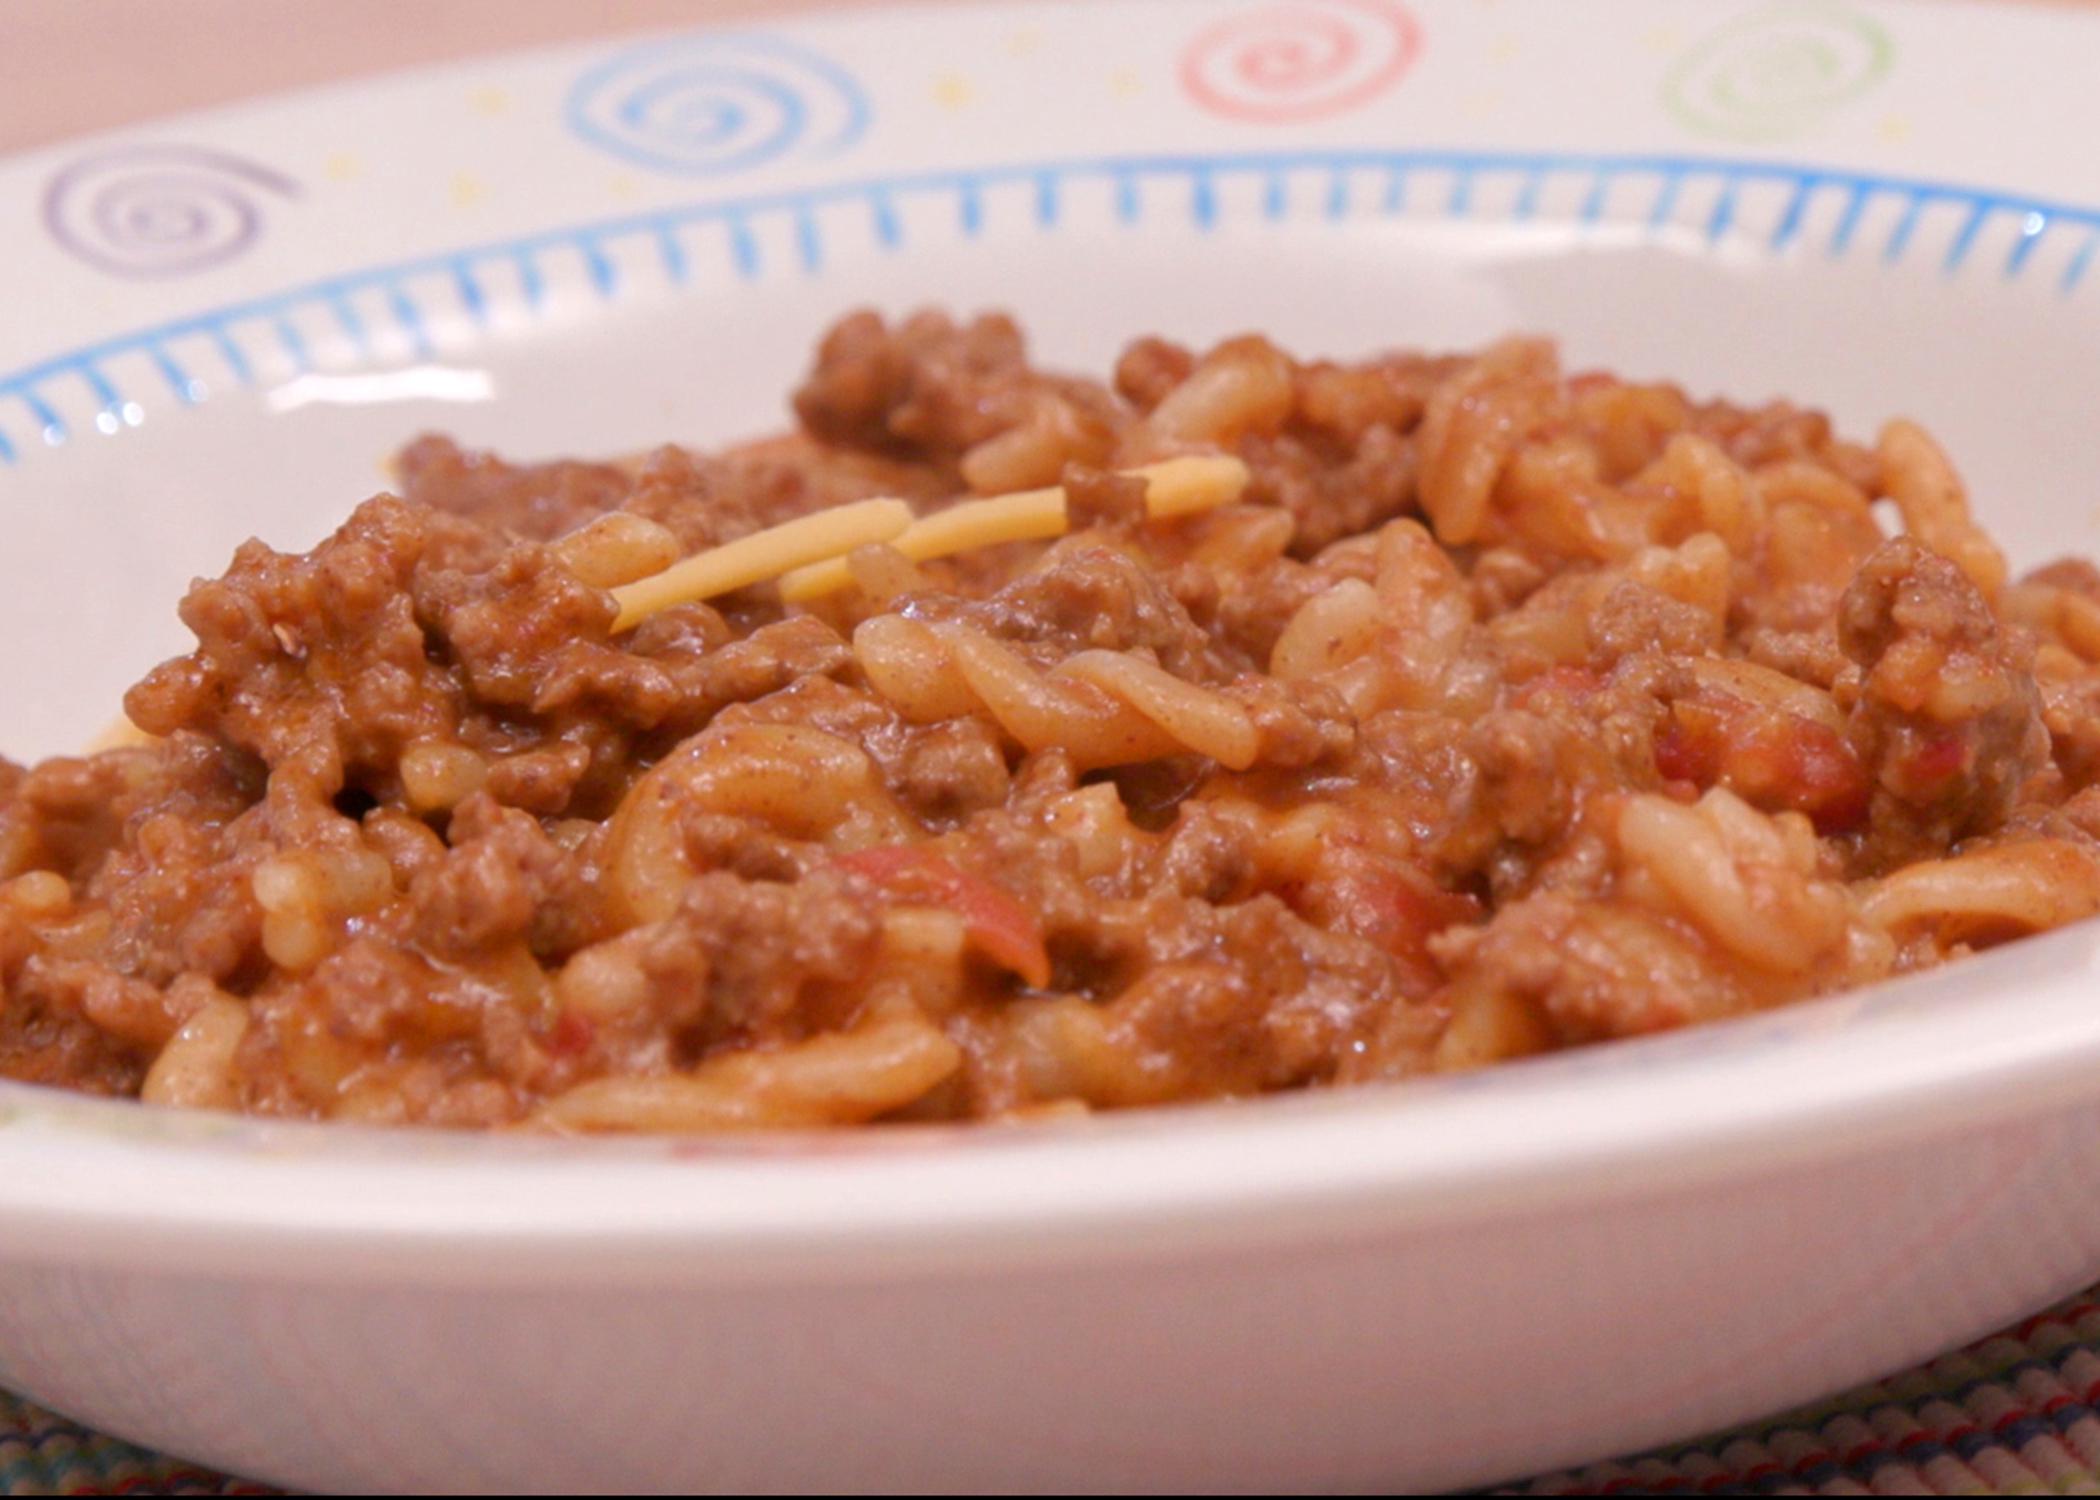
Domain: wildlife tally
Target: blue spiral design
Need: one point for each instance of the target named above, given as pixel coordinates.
(704, 105)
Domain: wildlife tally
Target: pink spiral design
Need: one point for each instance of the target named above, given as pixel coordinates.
(1300, 59)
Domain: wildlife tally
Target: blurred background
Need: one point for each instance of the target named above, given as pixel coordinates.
(100, 64)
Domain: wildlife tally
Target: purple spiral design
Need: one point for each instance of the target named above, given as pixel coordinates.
(152, 211)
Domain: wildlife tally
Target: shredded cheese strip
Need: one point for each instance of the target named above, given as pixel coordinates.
(1177, 487)
(761, 556)
(1030, 515)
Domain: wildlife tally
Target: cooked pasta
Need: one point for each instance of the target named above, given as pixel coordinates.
(1005, 745)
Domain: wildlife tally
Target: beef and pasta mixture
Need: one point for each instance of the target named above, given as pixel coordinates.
(1002, 743)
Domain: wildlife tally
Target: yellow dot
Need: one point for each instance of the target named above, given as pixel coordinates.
(952, 91)
(343, 167)
(489, 101)
(1478, 105)
(1125, 84)
(467, 190)
(1504, 48)
(1024, 41)
(1894, 128)
(1662, 39)
(626, 187)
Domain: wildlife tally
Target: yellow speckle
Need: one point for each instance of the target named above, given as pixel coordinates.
(1893, 128)
(343, 167)
(1125, 84)
(625, 188)
(1479, 105)
(467, 190)
(490, 101)
(1662, 39)
(1504, 48)
(952, 91)
(1024, 41)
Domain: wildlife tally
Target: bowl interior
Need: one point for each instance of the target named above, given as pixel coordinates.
(103, 533)
(1875, 280)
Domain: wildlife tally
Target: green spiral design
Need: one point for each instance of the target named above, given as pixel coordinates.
(1777, 71)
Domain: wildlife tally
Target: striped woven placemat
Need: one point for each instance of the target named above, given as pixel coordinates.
(2012, 1415)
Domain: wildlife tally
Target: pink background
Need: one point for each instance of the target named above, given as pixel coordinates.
(74, 66)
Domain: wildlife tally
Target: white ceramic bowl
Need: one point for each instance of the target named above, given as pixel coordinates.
(220, 325)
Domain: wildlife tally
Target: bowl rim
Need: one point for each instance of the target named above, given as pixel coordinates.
(1924, 1056)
